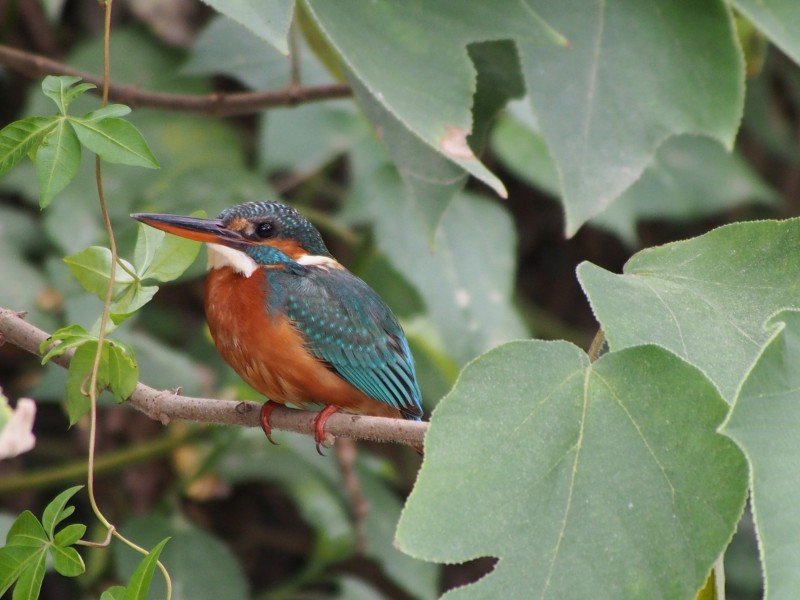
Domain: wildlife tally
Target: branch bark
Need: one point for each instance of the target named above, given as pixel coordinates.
(215, 104)
(165, 406)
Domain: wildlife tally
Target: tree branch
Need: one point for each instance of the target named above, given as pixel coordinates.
(165, 406)
(215, 104)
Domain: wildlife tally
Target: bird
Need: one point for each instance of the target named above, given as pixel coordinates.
(293, 322)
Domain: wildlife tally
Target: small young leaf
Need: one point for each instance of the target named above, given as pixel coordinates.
(118, 592)
(60, 89)
(26, 531)
(116, 141)
(112, 110)
(136, 296)
(70, 534)
(57, 161)
(92, 268)
(148, 239)
(55, 87)
(171, 258)
(141, 578)
(20, 137)
(77, 380)
(69, 336)
(123, 371)
(67, 561)
(57, 510)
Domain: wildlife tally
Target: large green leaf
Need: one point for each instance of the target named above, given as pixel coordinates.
(604, 480)
(225, 46)
(764, 423)
(635, 73)
(690, 177)
(268, 19)
(778, 19)
(423, 74)
(465, 277)
(706, 299)
(431, 180)
(201, 567)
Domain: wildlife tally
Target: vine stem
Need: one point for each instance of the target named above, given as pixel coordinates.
(106, 4)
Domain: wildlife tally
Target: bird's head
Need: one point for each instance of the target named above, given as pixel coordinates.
(249, 235)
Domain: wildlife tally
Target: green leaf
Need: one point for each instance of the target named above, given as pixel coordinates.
(171, 258)
(116, 141)
(134, 297)
(143, 575)
(67, 561)
(63, 91)
(607, 102)
(763, 422)
(778, 20)
(123, 371)
(609, 480)
(465, 280)
(78, 380)
(268, 19)
(110, 110)
(57, 510)
(705, 299)
(311, 136)
(27, 531)
(57, 161)
(423, 55)
(690, 177)
(30, 580)
(431, 180)
(116, 592)
(15, 561)
(200, 565)
(92, 268)
(70, 534)
(225, 47)
(118, 371)
(70, 336)
(20, 137)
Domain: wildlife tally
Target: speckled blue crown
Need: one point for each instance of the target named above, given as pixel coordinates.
(289, 222)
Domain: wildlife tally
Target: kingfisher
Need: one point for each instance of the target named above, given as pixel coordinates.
(292, 321)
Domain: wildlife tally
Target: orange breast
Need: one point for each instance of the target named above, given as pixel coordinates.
(269, 353)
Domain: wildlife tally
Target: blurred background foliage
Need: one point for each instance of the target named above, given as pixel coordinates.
(463, 269)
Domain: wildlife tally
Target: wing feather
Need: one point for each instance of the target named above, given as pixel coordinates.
(347, 325)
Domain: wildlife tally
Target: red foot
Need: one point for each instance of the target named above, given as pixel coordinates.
(264, 415)
(319, 425)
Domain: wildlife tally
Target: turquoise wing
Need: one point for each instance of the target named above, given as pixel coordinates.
(349, 327)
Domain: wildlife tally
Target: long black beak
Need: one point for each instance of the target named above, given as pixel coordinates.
(211, 231)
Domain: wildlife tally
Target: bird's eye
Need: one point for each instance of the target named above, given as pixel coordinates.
(265, 229)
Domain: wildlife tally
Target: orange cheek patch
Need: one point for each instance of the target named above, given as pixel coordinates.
(289, 247)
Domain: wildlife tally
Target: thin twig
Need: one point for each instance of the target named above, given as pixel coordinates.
(166, 406)
(215, 104)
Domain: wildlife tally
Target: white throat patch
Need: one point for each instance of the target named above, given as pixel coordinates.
(314, 260)
(220, 257)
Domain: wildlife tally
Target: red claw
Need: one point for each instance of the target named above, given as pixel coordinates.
(264, 415)
(319, 425)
